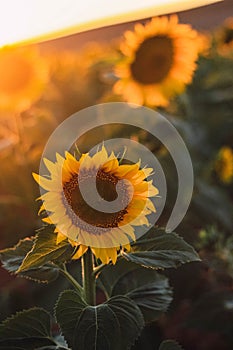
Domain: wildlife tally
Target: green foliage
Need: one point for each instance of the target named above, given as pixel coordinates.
(134, 294)
(164, 250)
(12, 259)
(46, 249)
(114, 325)
(147, 288)
(28, 330)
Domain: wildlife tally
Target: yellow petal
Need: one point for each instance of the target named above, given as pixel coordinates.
(100, 157)
(85, 162)
(127, 247)
(52, 167)
(42, 208)
(74, 233)
(141, 188)
(113, 255)
(81, 250)
(119, 238)
(105, 254)
(152, 190)
(72, 163)
(110, 165)
(128, 229)
(48, 185)
(60, 159)
(150, 205)
(47, 220)
(124, 170)
(60, 238)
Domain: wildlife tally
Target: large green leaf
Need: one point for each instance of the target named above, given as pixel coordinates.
(45, 249)
(28, 330)
(111, 274)
(147, 288)
(12, 259)
(164, 250)
(170, 345)
(114, 325)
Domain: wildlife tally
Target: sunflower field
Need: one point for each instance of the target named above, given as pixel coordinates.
(76, 277)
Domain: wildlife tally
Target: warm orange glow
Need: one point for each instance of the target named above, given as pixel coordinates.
(12, 78)
(23, 76)
(29, 21)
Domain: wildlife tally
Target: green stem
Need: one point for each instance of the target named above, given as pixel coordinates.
(88, 278)
(71, 279)
(100, 267)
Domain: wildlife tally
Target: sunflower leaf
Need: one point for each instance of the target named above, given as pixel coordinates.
(170, 345)
(163, 250)
(87, 327)
(147, 288)
(12, 258)
(28, 330)
(46, 250)
(112, 274)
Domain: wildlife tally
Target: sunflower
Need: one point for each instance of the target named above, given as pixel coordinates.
(85, 226)
(158, 61)
(23, 75)
(224, 164)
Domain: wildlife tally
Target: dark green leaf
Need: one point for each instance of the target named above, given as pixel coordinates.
(27, 330)
(32, 343)
(12, 258)
(170, 345)
(147, 288)
(114, 325)
(130, 320)
(164, 250)
(45, 249)
(111, 274)
(30, 323)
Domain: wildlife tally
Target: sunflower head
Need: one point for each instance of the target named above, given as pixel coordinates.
(23, 75)
(97, 202)
(158, 61)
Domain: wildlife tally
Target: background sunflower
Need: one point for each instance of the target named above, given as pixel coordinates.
(24, 74)
(159, 60)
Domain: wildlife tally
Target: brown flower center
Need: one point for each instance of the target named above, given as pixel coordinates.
(153, 60)
(78, 209)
